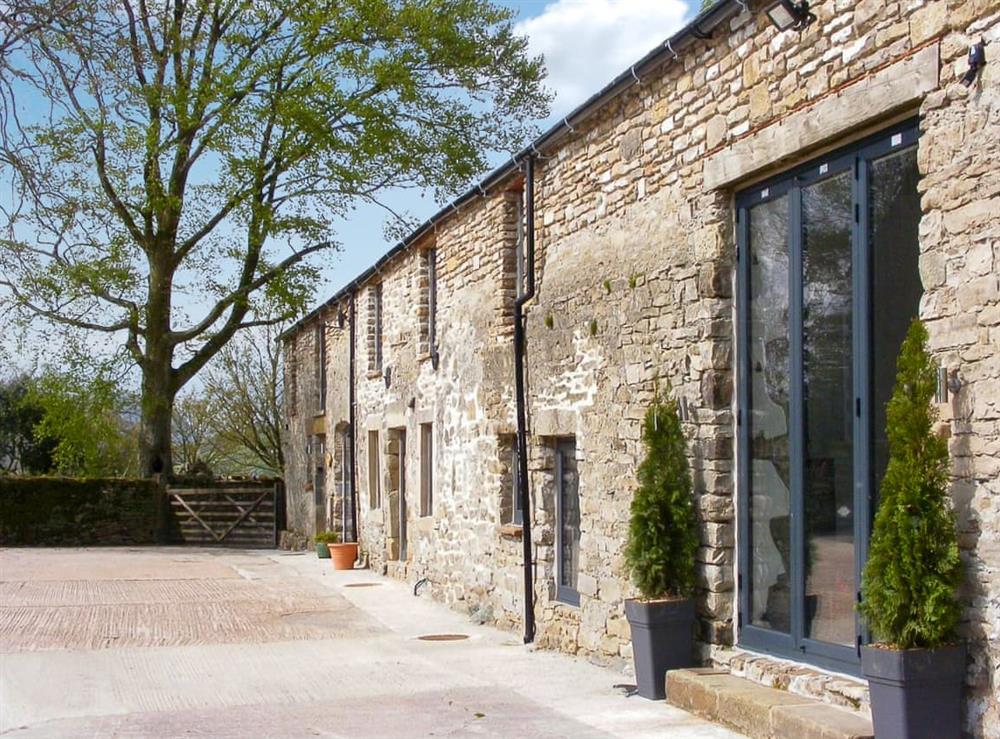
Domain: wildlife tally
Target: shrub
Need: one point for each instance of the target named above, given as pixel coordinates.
(663, 536)
(327, 537)
(913, 570)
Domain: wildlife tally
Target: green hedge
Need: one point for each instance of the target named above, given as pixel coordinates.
(54, 511)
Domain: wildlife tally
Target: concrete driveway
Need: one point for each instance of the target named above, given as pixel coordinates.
(149, 642)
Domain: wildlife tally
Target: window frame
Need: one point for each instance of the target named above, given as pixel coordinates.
(430, 267)
(376, 306)
(374, 471)
(565, 594)
(426, 470)
(857, 158)
(320, 366)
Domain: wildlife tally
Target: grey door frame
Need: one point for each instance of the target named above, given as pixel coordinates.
(857, 159)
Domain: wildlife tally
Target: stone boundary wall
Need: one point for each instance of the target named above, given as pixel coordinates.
(56, 511)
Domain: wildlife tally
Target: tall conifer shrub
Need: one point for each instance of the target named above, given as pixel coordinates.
(913, 570)
(663, 535)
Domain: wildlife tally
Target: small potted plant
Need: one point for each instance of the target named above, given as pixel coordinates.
(322, 539)
(342, 554)
(916, 670)
(660, 553)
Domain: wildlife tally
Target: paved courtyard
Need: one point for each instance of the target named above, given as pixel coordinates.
(167, 642)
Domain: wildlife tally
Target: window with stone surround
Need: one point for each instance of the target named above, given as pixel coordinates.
(375, 328)
(374, 473)
(427, 302)
(426, 469)
(510, 501)
(319, 369)
(292, 383)
(567, 504)
(513, 253)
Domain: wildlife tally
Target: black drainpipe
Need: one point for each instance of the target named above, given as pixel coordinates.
(522, 439)
(353, 427)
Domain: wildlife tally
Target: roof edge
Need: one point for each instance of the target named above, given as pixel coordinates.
(699, 28)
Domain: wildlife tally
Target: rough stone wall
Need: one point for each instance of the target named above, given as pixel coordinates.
(635, 260)
(960, 269)
(307, 422)
(467, 400)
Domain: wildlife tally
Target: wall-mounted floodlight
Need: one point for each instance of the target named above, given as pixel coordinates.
(786, 14)
(977, 60)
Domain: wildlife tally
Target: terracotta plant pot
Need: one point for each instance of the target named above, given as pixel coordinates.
(916, 693)
(662, 639)
(343, 555)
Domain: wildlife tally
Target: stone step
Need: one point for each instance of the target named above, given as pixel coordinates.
(761, 712)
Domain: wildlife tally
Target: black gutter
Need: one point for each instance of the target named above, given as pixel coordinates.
(519, 394)
(352, 422)
(700, 28)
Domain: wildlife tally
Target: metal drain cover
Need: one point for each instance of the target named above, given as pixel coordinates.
(443, 637)
(363, 585)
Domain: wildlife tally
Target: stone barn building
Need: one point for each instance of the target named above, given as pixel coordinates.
(748, 218)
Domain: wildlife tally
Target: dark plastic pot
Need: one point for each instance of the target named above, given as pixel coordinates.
(662, 639)
(322, 550)
(915, 693)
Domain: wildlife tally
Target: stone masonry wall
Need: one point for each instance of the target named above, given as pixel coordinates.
(635, 271)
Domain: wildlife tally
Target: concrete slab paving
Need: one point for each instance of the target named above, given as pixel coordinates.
(168, 642)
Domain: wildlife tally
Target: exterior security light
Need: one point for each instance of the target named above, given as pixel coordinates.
(786, 14)
(977, 60)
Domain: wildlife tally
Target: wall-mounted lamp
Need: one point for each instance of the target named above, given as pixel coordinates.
(786, 14)
(435, 359)
(948, 382)
(977, 60)
(387, 375)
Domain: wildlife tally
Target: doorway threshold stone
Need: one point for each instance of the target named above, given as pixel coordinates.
(761, 712)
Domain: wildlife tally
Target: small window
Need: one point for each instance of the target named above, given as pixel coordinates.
(292, 395)
(426, 469)
(510, 499)
(374, 474)
(430, 265)
(320, 368)
(517, 510)
(567, 522)
(520, 264)
(375, 328)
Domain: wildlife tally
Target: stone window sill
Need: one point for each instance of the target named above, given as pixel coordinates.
(511, 531)
(374, 374)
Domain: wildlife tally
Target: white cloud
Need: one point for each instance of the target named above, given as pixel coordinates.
(586, 43)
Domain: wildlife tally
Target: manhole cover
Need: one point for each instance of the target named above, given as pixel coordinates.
(363, 585)
(443, 637)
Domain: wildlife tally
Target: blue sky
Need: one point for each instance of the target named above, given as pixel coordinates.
(586, 43)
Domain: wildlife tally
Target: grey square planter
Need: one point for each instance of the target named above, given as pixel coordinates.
(915, 693)
(662, 639)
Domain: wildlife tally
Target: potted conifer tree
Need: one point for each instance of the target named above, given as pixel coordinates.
(916, 670)
(660, 553)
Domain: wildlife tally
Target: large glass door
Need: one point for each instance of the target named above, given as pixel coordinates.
(828, 286)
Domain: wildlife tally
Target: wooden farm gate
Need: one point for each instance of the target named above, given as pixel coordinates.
(234, 514)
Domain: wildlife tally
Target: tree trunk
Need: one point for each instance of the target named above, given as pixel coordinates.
(155, 455)
(158, 387)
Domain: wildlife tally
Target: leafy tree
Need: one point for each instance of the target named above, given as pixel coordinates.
(913, 570)
(244, 387)
(202, 148)
(195, 443)
(20, 451)
(86, 419)
(663, 534)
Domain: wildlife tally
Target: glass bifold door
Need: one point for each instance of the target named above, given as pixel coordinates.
(828, 284)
